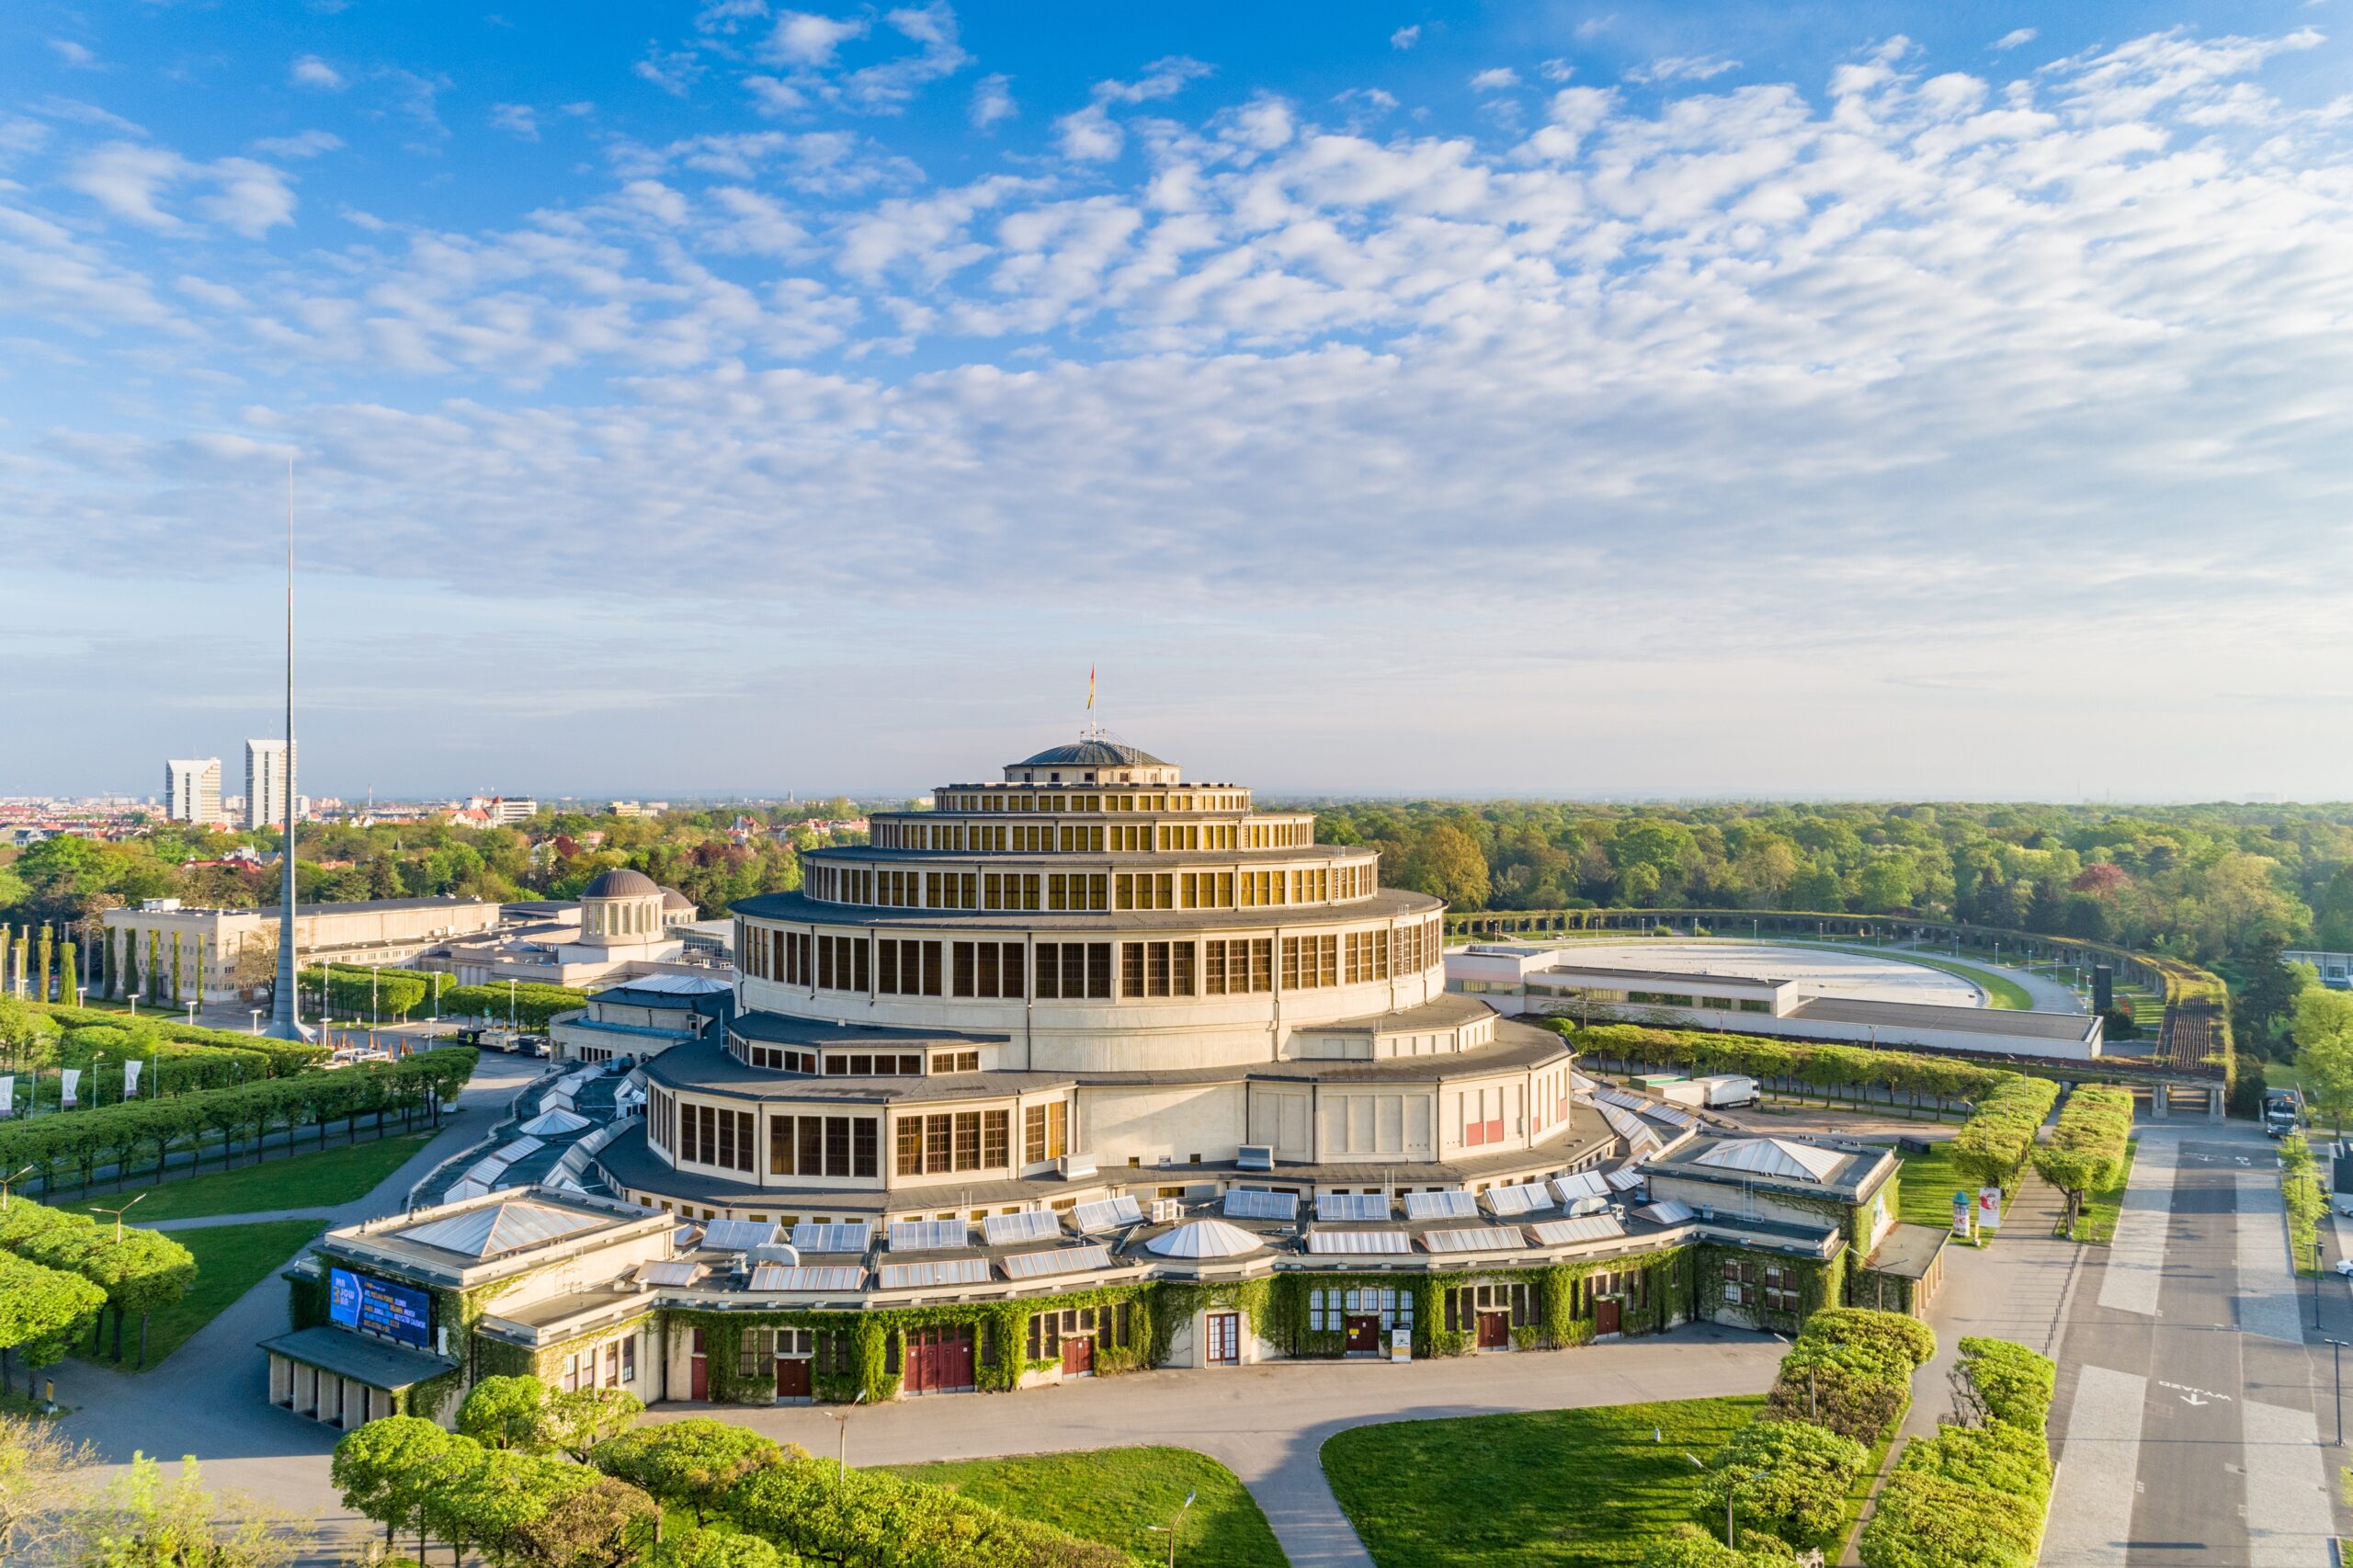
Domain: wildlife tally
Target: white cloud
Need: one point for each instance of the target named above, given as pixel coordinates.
(127, 179)
(804, 37)
(1557, 70)
(993, 101)
(675, 71)
(132, 181)
(310, 71)
(1405, 38)
(518, 120)
(1593, 27)
(1682, 68)
(73, 55)
(301, 144)
(2014, 38)
(1495, 79)
(1090, 135)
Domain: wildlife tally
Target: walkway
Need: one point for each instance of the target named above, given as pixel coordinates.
(1268, 1423)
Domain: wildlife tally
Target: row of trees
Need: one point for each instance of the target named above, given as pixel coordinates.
(1786, 1062)
(2090, 1145)
(535, 1478)
(1976, 1494)
(138, 1272)
(146, 1137)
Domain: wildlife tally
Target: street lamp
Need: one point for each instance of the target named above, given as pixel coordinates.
(841, 1422)
(1173, 1526)
(257, 1012)
(371, 1001)
(2316, 1269)
(2336, 1367)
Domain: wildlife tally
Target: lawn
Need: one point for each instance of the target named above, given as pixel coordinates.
(1930, 1181)
(2097, 1222)
(1562, 1488)
(229, 1261)
(317, 1181)
(1114, 1495)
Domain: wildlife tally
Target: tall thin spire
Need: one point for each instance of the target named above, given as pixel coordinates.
(286, 1006)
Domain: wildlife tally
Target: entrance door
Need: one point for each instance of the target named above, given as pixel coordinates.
(1078, 1356)
(793, 1377)
(1605, 1315)
(1225, 1339)
(699, 1381)
(1364, 1332)
(939, 1359)
(1495, 1331)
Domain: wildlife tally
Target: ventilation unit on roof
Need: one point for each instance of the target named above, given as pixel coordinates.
(1255, 1157)
(1077, 1166)
(1168, 1210)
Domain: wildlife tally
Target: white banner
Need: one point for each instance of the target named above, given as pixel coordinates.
(8, 1094)
(130, 1078)
(72, 1076)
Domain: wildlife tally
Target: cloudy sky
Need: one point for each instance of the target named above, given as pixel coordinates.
(1924, 400)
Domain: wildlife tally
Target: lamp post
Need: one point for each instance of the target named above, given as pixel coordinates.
(257, 1012)
(841, 1423)
(2336, 1370)
(8, 1182)
(1173, 1526)
(2316, 1267)
(372, 1016)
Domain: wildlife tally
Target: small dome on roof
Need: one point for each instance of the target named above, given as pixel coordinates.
(1783, 1157)
(673, 899)
(1092, 754)
(619, 883)
(1204, 1238)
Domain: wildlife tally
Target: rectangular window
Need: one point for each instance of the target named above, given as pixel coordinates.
(864, 1139)
(995, 1125)
(968, 1140)
(837, 1161)
(910, 1145)
(1099, 969)
(781, 1145)
(810, 1144)
(936, 1137)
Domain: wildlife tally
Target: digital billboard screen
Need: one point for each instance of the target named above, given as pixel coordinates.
(370, 1305)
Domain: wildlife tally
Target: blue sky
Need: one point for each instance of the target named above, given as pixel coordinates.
(1855, 400)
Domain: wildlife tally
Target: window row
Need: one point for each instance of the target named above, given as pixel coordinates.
(1142, 800)
(798, 1146)
(609, 1366)
(1480, 1113)
(1329, 1311)
(1771, 1285)
(822, 1145)
(1074, 972)
(851, 1064)
(1632, 1286)
(890, 888)
(1108, 1325)
(1045, 1131)
(1465, 1302)
(952, 1140)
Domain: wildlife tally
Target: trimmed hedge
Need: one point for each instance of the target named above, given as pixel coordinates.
(285, 1057)
(1822, 1067)
(533, 1005)
(1994, 1142)
(40, 1307)
(1850, 1369)
(1973, 1496)
(2089, 1144)
(141, 1271)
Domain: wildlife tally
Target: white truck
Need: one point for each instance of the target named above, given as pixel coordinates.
(1718, 1091)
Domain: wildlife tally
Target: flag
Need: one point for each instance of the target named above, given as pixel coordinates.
(130, 1078)
(1090, 689)
(71, 1077)
(8, 1094)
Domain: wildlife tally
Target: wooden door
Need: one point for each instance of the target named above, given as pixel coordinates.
(699, 1380)
(1605, 1315)
(1225, 1339)
(1078, 1356)
(1495, 1331)
(1364, 1331)
(939, 1358)
(792, 1380)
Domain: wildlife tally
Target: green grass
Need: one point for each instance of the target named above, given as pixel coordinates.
(1113, 1494)
(1930, 1181)
(2097, 1224)
(318, 1180)
(2282, 1075)
(229, 1261)
(1560, 1488)
(1860, 1493)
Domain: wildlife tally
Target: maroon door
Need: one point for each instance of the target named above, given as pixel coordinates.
(1225, 1339)
(939, 1358)
(698, 1381)
(1364, 1331)
(1605, 1315)
(1494, 1330)
(793, 1377)
(1078, 1356)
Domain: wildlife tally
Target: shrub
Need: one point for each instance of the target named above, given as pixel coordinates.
(1693, 1548)
(1897, 1335)
(2014, 1382)
(864, 1518)
(1861, 1405)
(1921, 1521)
(1787, 1477)
(1974, 1497)
(1994, 1143)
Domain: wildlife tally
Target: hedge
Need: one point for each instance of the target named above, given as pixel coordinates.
(138, 1271)
(1824, 1066)
(2089, 1143)
(1994, 1142)
(1850, 1369)
(285, 1056)
(124, 1135)
(533, 1005)
(864, 1518)
(1973, 1496)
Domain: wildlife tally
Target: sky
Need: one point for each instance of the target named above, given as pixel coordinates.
(1863, 400)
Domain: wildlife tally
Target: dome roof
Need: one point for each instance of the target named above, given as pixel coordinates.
(1092, 754)
(619, 883)
(673, 899)
(1782, 1157)
(1204, 1238)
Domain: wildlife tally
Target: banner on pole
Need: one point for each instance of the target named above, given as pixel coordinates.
(8, 1094)
(1989, 1207)
(131, 1077)
(72, 1076)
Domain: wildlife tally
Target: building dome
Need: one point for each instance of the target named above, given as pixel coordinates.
(1204, 1238)
(619, 883)
(1092, 754)
(672, 899)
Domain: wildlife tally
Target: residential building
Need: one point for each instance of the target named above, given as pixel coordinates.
(269, 771)
(192, 790)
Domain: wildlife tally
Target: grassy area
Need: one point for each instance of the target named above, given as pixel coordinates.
(1114, 1495)
(317, 1181)
(2097, 1224)
(2282, 1075)
(229, 1261)
(1859, 1493)
(1930, 1181)
(1561, 1488)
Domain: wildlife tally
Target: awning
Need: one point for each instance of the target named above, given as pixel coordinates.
(371, 1361)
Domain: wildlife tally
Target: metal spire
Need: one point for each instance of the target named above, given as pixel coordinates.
(286, 1005)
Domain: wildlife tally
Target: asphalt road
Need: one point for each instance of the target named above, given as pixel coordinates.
(2195, 1400)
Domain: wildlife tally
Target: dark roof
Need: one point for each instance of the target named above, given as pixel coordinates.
(1091, 754)
(1104, 924)
(673, 899)
(2013, 1022)
(375, 1362)
(705, 1067)
(621, 882)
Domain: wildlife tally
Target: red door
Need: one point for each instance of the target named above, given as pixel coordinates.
(1364, 1331)
(939, 1358)
(1605, 1315)
(1078, 1356)
(698, 1381)
(1225, 1339)
(1494, 1330)
(793, 1377)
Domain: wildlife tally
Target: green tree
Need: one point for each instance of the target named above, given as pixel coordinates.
(1446, 863)
(387, 1468)
(604, 1524)
(68, 980)
(146, 1521)
(2324, 1035)
(688, 1464)
(576, 1420)
(716, 1549)
(507, 1413)
(487, 1506)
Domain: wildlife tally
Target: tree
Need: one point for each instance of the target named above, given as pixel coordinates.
(144, 1520)
(2264, 1005)
(1786, 1478)
(604, 1524)
(507, 1413)
(387, 1469)
(2324, 1034)
(68, 980)
(577, 1420)
(712, 1549)
(1447, 864)
(38, 1472)
(688, 1464)
(254, 971)
(490, 1501)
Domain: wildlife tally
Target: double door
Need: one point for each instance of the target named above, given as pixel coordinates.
(1224, 1331)
(939, 1359)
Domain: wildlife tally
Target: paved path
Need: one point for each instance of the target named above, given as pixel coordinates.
(1268, 1423)
(263, 1217)
(2194, 1395)
(211, 1397)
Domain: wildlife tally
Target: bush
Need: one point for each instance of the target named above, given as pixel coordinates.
(1896, 1334)
(2014, 1382)
(1994, 1142)
(1787, 1477)
(1861, 1405)
(1693, 1548)
(1820, 1066)
(1851, 1369)
(1974, 1497)
(867, 1517)
(1921, 1521)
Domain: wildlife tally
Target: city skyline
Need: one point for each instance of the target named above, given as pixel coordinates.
(1890, 403)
